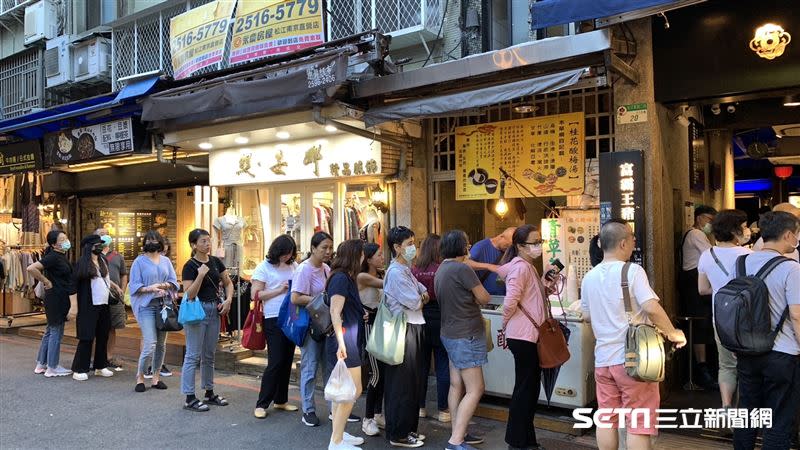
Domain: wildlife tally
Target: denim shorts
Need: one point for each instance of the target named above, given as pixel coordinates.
(466, 353)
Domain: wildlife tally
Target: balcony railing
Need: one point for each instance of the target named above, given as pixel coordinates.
(21, 84)
(407, 21)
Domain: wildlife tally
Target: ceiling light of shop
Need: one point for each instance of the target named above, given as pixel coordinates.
(791, 100)
(331, 129)
(283, 135)
(241, 140)
(205, 145)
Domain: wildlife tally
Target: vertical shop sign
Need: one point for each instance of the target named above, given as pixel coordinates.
(271, 27)
(197, 37)
(622, 193)
(545, 154)
(697, 158)
(553, 237)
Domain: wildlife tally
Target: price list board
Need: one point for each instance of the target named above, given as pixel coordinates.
(129, 227)
(580, 226)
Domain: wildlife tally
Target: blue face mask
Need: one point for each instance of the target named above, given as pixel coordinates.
(66, 245)
(106, 240)
(409, 253)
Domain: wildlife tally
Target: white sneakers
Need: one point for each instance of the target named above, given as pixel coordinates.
(40, 369)
(380, 420)
(57, 372)
(80, 376)
(370, 427)
(104, 372)
(352, 440)
(342, 446)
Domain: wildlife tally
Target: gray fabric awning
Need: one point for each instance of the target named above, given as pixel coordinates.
(284, 87)
(432, 106)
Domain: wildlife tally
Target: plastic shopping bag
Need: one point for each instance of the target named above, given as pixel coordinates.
(340, 387)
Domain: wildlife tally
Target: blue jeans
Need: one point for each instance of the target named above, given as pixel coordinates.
(433, 344)
(50, 350)
(201, 346)
(154, 342)
(312, 354)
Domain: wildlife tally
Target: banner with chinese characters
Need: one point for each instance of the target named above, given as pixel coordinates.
(553, 237)
(198, 36)
(581, 225)
(20, 157)
(270, 27)
(545, 154)
(339, 155)
(622, 193)
(83, 144)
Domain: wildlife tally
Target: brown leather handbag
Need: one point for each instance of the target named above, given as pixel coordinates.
(552, 345)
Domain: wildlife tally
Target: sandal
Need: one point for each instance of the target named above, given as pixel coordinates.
(196, 405)
(139, 387)
(216, 400)
(160, 385)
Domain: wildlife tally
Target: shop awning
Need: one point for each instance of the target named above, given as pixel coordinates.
(547, 13)
(432, 106)
(282, 87)
(88, 111)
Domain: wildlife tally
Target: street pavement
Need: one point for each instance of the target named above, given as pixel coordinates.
(38, 412)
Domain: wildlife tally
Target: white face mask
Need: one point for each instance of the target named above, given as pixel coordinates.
(745, 237)
(535, 251)
(409, 253)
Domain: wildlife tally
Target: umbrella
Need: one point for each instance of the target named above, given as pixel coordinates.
(549, 376)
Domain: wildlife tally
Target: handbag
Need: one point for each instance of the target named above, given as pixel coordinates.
(253, 337)
(191, 312)
(167, 317)
(645, 357)
(319, 311)
(387, 340)
(293, 319)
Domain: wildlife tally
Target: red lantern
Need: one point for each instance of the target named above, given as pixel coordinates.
(783, 172)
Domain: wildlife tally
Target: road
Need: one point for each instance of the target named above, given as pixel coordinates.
(38, 412)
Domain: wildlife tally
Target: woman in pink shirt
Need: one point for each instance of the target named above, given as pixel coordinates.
(524, 304)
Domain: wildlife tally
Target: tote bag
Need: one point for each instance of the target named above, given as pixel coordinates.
(253, 337)
(191, 311)
(293, 319)
(387, 341)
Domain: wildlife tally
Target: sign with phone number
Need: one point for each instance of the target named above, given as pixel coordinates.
(197, 37)
(264, 28)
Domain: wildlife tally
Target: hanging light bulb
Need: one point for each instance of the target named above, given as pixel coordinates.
(501, 207)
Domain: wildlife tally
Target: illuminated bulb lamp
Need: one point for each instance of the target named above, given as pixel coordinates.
(380, 199)
(783, 172)
(501, 207)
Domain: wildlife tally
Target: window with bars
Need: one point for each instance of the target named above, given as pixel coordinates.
(595, 103)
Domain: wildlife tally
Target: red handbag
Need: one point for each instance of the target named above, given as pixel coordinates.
(253, 337)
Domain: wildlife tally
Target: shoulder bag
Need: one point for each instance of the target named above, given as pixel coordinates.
(167, 317)
(387, 339)
(552, 346)
(644, 346)
(253, 337)
(319, 311)
(293, 319)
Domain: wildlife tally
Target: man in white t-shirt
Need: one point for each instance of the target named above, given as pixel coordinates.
(717, 266)
(782, 207)
(602, 305)
(692, 304)
(772, 380)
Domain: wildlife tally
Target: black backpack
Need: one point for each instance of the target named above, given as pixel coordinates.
(741, 311)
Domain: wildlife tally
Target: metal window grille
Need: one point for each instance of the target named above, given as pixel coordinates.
(348, 17)
(596, 103)
(21, 83)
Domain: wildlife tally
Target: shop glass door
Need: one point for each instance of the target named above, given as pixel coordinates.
(304, 210)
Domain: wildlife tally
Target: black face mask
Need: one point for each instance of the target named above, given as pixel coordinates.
(97, 249)
(150, 248)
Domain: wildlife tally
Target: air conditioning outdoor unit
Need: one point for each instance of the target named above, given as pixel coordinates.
(58, 61)
(91, 61)
(41, 21)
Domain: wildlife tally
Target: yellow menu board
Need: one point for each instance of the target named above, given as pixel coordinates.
(271, 27)
(197, 37)
(545, 154)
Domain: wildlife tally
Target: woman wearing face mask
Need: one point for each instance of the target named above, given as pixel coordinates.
(524, 297)
(202, 276)
(152, 277)
(461, 294)
(404, 295)
(58, 284)
(94, 316)
(715, 268)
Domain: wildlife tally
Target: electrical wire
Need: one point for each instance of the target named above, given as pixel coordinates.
(438, 33)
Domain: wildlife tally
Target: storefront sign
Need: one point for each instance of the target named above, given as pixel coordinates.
(20, 157)
(634, 113)
(622, 187)
(127, 228)
(697, 157)
(83, 144)
(335, 156)
(581, 225)
(271, 27)
(553, 237)
(197, 37)
(545, 154)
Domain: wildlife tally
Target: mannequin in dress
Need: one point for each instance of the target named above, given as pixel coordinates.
(230, 228)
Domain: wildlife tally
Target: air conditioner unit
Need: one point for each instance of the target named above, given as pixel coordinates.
(41, 21)
(58, 61)
(91, 61)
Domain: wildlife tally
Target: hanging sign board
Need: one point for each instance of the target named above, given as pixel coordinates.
(553, 237)
(634, 113)
(341, 155)
(75, 145)
(271, 27)
(581, 225)
(20, 157)
(622, 193)
(545, 154)
(197, 37)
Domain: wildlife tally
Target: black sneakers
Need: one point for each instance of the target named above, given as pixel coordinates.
(310, 419)
(164, 372)
(352, 418)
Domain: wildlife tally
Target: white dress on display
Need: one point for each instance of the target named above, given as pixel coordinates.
(230, 228)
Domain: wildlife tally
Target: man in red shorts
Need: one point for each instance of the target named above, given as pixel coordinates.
(603, 306)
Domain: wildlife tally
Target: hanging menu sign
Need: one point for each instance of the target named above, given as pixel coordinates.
(127, 228)
(580, 226)
(77, 145)
(545, 154)
(20, 157)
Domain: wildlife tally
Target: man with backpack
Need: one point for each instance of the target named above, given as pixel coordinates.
(758, 318)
